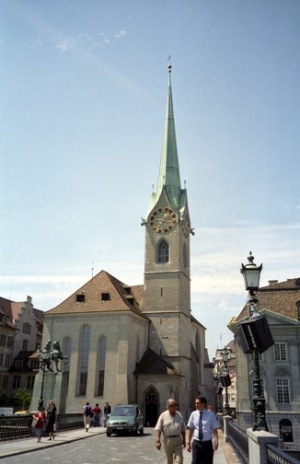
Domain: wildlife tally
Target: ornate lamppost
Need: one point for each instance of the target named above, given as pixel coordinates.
(48, 354)
(44, 360)
(225, 376)
(256, 338)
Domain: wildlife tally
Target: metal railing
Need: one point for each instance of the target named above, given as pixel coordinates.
(239, 441)
(17, 427)
(277, 456)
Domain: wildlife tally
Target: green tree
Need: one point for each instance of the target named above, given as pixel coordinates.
(21, 399)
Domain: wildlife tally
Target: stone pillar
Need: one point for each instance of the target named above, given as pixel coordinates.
(257, 445)
(54, 389)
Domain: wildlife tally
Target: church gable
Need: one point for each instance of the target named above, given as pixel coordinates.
(151, 363)
(102, 293)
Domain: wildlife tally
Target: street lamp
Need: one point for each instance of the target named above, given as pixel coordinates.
(44, 359)
(225, 377)
(251, 328)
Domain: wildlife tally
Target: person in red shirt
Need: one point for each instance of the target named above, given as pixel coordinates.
(97, 415)
(39, 417)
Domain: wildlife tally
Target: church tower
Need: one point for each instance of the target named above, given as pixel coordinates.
(167, 253)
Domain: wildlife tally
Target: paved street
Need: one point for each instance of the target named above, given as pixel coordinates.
(94, 450)
(94, 447)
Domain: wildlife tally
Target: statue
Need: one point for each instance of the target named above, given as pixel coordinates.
(57, 355)
(47, 355)
(45, 358)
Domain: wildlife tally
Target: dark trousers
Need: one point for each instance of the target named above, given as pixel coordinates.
(202, 452)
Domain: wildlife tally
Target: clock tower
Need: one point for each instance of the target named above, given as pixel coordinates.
(167, 252)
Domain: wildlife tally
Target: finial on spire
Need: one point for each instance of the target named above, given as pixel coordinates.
(169, 66)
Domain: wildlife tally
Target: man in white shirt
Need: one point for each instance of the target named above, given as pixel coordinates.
(202, 426)
(171, 424)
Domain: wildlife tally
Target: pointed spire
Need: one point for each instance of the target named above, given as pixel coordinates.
(169, 175)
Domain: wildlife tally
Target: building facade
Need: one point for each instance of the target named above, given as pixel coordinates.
(279, 302)
(21, 327)
(138, 343)
(228, 368)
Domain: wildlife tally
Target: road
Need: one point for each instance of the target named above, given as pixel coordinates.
(99, 449)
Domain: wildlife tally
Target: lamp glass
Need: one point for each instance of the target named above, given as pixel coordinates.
(225, 355)
(251, 277)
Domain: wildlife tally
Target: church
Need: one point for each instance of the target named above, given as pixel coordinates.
(136, 344)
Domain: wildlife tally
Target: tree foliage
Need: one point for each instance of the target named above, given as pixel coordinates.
(21, 399)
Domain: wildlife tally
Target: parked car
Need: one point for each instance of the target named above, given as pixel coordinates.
(125, 418)
(21, 413)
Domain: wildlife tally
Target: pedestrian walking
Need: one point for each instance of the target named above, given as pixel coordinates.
(38, 422)
(171, 424)
(202, 426)
(87, 415)
(106, 412)
(51, 418)
(96, 415)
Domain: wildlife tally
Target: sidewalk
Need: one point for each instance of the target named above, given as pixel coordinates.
(224, 455)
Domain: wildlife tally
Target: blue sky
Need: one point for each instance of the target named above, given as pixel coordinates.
(82, 117)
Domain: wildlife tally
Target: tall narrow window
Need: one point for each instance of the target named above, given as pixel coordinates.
(185, 257)
(5, 381)
(25, 345)
(26, 328)
(163, 252)
(16, 381)
(67, 351)
(84, 359)
(101, 364)
(30, 382)
(280, 351)
(137, 355)
(283, 390)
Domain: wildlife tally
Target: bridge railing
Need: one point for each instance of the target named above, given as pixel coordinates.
(277, 456)
(17, 427)
(239, 440)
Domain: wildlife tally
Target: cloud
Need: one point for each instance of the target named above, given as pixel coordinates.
(217, 288)
(88, 42)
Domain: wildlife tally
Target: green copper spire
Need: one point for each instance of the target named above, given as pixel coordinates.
(169, 175)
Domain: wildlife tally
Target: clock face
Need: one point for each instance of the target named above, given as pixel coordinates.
(163, 220)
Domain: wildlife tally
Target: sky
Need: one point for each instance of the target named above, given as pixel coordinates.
(82, 108)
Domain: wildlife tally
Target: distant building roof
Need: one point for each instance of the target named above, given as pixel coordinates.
(101, 294)
(279, 297)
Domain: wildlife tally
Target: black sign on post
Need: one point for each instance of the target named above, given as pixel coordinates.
(255, 335)
(225, 380)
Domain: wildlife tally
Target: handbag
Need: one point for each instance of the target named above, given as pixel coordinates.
(34, 421)
(55, 426)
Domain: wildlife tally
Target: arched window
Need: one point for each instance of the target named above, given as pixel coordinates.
(286, 430)
(298, 310)
(151, 406)
(137, 355)
(185, 257)
(101, 366)
(27, 328)
(84, 359)
(67, 350)
(163, 252)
